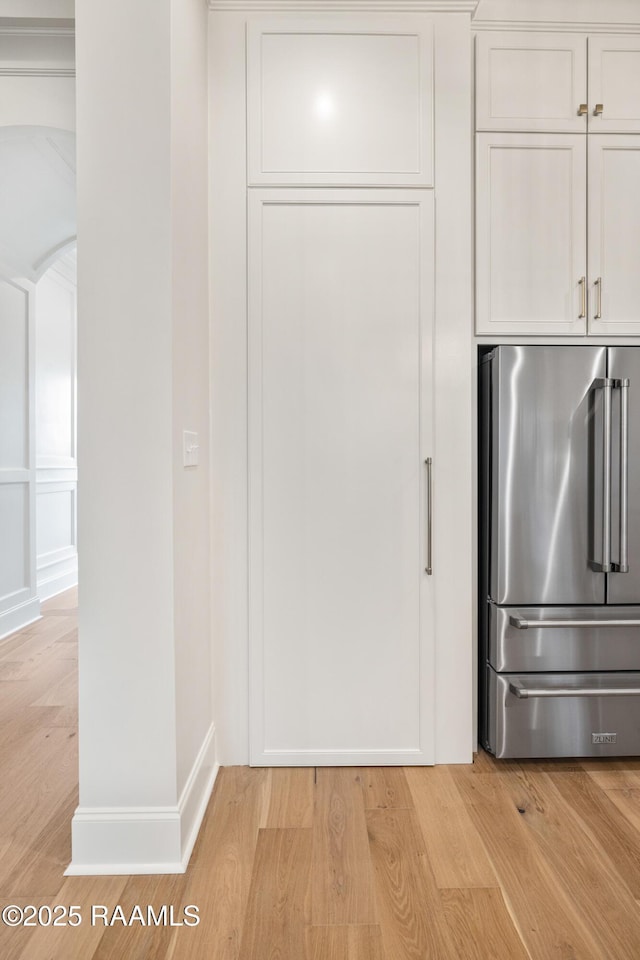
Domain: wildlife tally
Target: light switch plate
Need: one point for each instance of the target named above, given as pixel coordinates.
(190, 448)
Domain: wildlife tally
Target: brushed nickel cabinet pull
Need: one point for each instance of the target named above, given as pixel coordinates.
(582, 283)
(429, 568)
(598, 285)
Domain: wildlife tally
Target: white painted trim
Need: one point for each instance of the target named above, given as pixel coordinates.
(347, 6)
(15, 618)
(54, 585)
(196, 793)
(342, 758)
(554, 26)
(43, 71)
(144, 840)
(37, 30)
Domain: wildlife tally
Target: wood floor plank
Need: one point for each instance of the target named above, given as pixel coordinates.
(154, 942)
(582, 868)
(385, 788)
(407, 898)
(350, 942)
(81, 942)
(40, 869)
(614, 774)
(290, 797)
(627, 801)
(480, 927)
(278, 908)
(219, 874)
(456, 853)
(342, 879)
(550, 926)
(607, 826)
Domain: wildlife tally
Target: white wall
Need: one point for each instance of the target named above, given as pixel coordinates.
(18, 601)
(55, 427)
(146, 757)
(190, 307)
(37, 108)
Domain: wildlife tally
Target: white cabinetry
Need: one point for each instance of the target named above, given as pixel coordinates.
(614, 84)
(530, 81)
(530, 233)
(340, 413)
(341, 356)
(614, 234)
(540, 81)
(340, 102)
(537, 211)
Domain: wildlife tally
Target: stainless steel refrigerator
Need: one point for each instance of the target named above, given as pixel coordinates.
(559, 563)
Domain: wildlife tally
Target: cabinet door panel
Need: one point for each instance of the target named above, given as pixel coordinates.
(530, 81)
(614, 82)
(614, 234)
(530, 233)
(343, 102)
(340, 305)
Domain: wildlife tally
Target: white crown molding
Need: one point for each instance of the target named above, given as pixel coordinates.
(346, 6)
(553, 26)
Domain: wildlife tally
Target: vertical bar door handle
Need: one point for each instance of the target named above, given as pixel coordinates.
(623, 566)
(582, 283)
(598, 285)
(429, 567)
(606, 479)
(605, 384)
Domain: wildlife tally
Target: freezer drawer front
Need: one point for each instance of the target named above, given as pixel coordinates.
(563, 715)
(624, 364)
(564, 638)
(546, 463)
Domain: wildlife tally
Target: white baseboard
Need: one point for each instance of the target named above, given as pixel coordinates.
(15, 618)
(52, 586)
(196, 793)
(143, 840)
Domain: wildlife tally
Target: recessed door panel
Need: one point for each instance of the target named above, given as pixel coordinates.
(530, 234)
(614, 234)
(614, 84)
(530, 81)
(340, 414)
(343, 102)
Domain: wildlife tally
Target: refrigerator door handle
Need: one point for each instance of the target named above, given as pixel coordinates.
(623, 565)
(524, 693)
(521, 623)
(605, 384)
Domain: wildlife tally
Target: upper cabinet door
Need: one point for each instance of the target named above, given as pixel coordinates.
(614, 84)
(530, 233)
(345, 102)
(614, 235)
(531, 81)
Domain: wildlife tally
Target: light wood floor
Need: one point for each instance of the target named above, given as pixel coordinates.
(503, 861)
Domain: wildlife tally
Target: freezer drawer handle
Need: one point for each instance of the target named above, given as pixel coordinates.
(522, 624)
(524, 693)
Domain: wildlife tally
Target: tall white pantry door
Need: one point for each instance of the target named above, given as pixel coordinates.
(340, 426)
